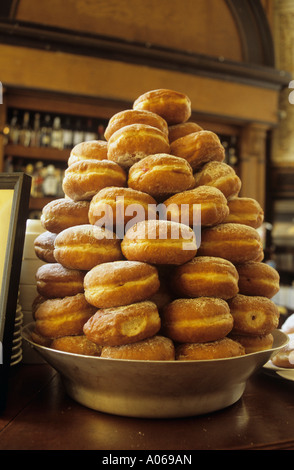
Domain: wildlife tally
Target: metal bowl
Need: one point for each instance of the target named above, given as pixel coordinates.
(155, 389)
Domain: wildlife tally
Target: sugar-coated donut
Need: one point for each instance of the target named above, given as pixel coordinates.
(236, 242)
(206, 276)
(254, 343)
(83, 179)
(84, 246)
(89, 150)
(63, 317)
(245, 210)
(285, 357)
(288, 325)
(173, 106)
(220, 175)
(157, 348)
(161, 175)
(196, 320)
(253, 315)
(133, 116)
(76, 345)
(258, 279)
(120, 283)
(117, 207)
(159, 242)
(211, 203)
(180, 130)
(44, 246)
(198, 148)
(123, 325)
(219, 349)
(62, 213)
(54, 280)
(131, 143)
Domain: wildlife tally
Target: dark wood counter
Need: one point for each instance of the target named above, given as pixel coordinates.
(40, 416)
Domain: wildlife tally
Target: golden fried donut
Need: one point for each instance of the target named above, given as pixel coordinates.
(54, 280)
(44, 246)
(159, 242)
(133, 116)
(254, 343)
(157, 348)
(219, 349)
(131, 143)
(219, 175)
(245, 210)
(63, 317)
(206, 276)
(123, 325)
(173, 106)
(196, 320)
(116, 207)
(211, 203)
(120, 283)
(77, 345)
(180, 130)
(258, 279)
(37, 338)
(60, 214)
(83, 179)
(198, 148)
(253, 315)
(285, 357)
(89, 150)
(38, 300)
(237, 243)
(84, 246)
(161, 175)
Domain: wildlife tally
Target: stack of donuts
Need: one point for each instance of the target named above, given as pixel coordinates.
(126, 273)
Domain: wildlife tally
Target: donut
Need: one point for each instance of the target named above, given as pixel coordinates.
(62, 213)
(76, 345)
(219, 349)
(63, 317)
(288, 325)
(237, 243)
(197, 320)
(123, 325)
(37, 338)
(83, 179)
(133, 116)
(219, 175)
(285, 357)
(89, 150)
(198, 148)
(258, 279)
(120, 283)
(159, 242)
(84, 246)
(211, 203)
(38, 300)
(174, 107)
(131, 143)
(206, 276)
(253, 315)
(117, 207)
(180, 130)
(44, 246)
(254, 343)
(245, 210)
(54, 280)
(161, 175)
(157, 348)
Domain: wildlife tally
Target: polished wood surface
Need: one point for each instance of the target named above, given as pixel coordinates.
(40, 416)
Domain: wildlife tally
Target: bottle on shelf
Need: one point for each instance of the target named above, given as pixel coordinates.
(78, 134)
(46, 130)
(101, 130)
(67, 134)
(57, 134)
(50, 184)
(14, 128)
(8, 165)
(36, 132)
(90, 133)
(25, 131)
(37, 180)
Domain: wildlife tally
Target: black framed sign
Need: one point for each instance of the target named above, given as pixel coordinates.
(14, 207)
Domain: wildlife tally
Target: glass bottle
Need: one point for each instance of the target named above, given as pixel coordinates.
(78, 135)
(57, 134)
(46, 130)
(25, 131)
(50, 185)
(36, 131)
(37, 181)
(67, 134)
(14, 128)
(90, 133)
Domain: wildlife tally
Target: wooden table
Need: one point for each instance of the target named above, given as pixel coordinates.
(40, 416)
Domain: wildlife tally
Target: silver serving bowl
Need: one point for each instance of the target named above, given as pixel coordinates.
(155, 389)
